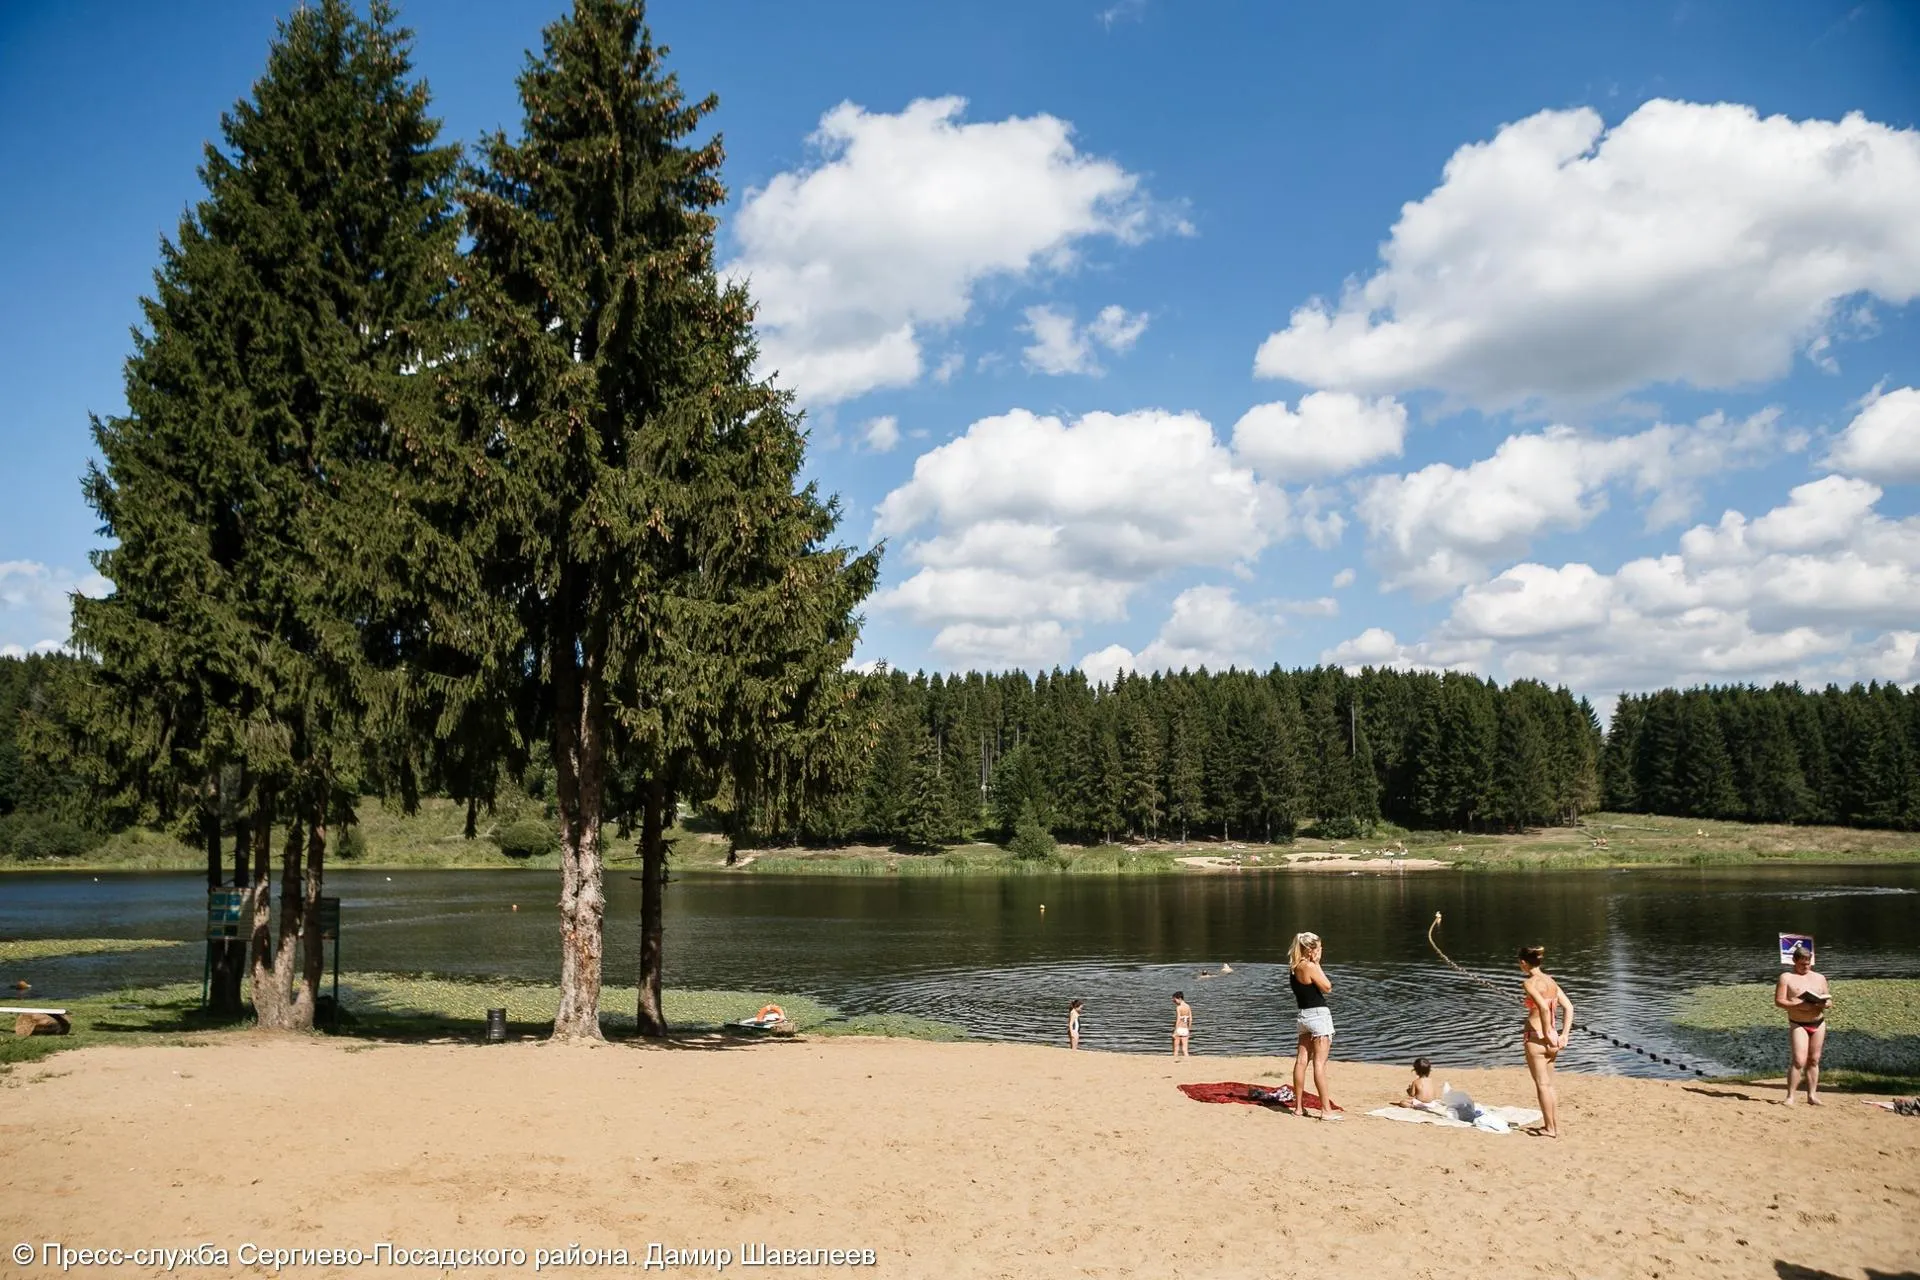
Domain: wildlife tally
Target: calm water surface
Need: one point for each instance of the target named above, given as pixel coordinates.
(981, 953)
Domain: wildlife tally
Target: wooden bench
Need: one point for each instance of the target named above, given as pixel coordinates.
(30, 1022)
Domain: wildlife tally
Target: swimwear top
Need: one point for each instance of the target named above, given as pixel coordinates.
(1305, 994)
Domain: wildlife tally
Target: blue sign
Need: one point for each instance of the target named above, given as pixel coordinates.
(223, 912)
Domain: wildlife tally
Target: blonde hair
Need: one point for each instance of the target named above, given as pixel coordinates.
(1302, 943)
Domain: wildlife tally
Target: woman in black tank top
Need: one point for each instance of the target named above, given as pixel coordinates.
(1310, 986)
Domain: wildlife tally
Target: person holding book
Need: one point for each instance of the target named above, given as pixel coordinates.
(1803, 994)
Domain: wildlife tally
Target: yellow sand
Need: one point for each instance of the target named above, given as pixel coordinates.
(954, 1160)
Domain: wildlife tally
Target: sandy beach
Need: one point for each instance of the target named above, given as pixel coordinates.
(944, 1159)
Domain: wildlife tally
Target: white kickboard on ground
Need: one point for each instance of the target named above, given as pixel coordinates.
(1518, 1117)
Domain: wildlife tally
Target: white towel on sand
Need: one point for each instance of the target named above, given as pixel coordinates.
(1518, 1117)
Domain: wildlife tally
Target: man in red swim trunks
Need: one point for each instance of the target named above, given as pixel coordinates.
(1803, 994)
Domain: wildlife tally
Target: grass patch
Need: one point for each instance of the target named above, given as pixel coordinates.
(148, 1016)
(903, 1026)
(967, 860)
(19, 949)
(1837, 1081)
(1873, 1028)
(389, 1006)
(1640, 840)
(435, 837)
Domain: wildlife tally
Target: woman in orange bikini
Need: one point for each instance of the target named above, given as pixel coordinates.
(1544, 1040)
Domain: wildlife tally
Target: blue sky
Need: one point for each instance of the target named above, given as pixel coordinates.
(1151, 335)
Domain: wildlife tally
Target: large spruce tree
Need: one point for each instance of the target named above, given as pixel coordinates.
(252, 487)
(675, 592)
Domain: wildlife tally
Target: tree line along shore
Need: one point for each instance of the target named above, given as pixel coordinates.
(1155, 762)
(449, 471)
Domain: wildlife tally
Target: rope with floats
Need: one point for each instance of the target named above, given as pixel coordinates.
(1613, 1040)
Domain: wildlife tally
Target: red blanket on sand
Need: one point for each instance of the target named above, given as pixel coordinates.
(1231, 1092)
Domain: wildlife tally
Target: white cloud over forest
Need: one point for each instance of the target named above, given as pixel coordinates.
(1565, 260)
(886, 235)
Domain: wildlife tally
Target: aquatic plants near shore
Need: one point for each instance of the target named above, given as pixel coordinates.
(1874, 1026)
(20, 950)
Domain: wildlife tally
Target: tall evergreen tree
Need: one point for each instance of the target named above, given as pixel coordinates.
(928, 821)
(678, 590)
(273, 402)
(1522, 789)
(1186, 763)
(1139, 743)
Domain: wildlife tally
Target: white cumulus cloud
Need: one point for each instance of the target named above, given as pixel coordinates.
(36, 607)
(882, 434)
(1444, 526)
(1207, 627)
(1882, 443)
(1117, 328)
(1027, 520)
(1564, 260)
(1061, 346)
(887, 233)
(1330, 433)
(1822, 587)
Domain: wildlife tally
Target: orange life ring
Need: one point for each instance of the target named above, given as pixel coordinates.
(779, 1014)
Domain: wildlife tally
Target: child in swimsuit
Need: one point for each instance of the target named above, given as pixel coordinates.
(1422, 1093)
(1182, 1024)
(1073, 1023)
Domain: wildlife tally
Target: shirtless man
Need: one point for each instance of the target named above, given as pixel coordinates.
(1803, 994)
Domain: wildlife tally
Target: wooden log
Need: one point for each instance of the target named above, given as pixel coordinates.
(41, 1024)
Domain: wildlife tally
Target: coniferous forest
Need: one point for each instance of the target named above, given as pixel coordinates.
(446, 471)
(929, 760)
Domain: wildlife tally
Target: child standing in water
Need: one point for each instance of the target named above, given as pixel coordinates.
(1073, 1023)
(1182, 1024)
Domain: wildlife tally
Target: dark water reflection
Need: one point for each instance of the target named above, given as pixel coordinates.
(981, 953)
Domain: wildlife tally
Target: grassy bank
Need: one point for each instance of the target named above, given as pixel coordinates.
(964, 860)
(385, 1006)
(1873, 1030)
(1605, 840)
(16, 950)
(435, 838)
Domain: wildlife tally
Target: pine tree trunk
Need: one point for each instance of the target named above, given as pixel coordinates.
(651, 1015)
(579, 760)
(273, 1003)
(306, 1001)
(472, 817)
(266, 1010)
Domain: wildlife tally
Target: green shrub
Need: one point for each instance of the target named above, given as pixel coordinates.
(44, 835)
(527, 838)
(1031, 842)
(351, 844)
(1341, 829)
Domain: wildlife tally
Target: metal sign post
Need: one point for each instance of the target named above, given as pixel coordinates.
(223, 926)
(329, 909)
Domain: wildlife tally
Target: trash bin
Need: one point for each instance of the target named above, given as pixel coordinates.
(496, 1025)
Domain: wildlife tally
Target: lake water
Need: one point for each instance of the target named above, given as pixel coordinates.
(979, 951)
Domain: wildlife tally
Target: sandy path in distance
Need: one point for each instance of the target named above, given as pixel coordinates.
(954, 1160)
